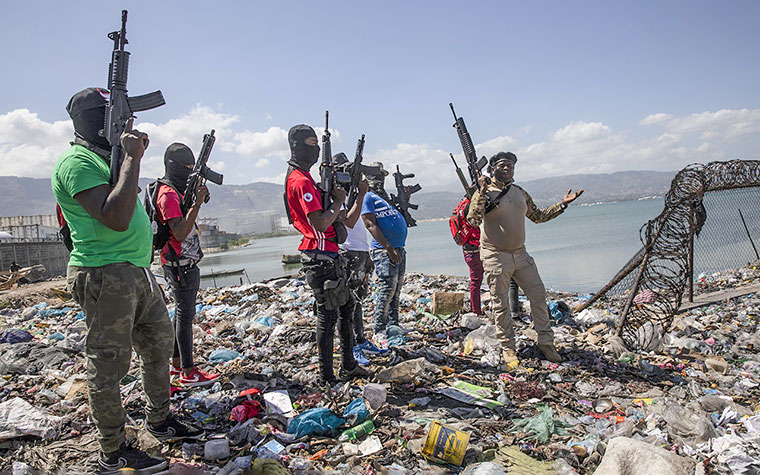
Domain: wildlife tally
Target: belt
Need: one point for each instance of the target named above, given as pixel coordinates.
(315, 257)
(181, 263)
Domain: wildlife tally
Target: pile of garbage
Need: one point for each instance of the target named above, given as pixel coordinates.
(442, 399)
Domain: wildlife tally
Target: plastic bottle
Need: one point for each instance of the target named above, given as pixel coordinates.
(357, 432)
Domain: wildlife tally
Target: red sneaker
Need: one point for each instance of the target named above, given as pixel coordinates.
(197, 378)
(173, 371)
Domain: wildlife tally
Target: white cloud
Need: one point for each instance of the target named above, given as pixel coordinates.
(272, 143)
(497, 144)
(727, 125)
(217, 166)
(277, 179)
(30, 146)
(655, 119)
(429, 165)
(188, 129)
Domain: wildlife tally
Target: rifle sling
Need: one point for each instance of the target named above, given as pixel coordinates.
(491, 204)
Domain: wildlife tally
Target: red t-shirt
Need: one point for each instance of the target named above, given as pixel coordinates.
(303, 198)
(168, 206)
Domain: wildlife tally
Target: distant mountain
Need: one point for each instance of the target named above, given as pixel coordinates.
(29, 196)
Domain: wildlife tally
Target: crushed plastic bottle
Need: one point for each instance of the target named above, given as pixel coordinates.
(357, 432)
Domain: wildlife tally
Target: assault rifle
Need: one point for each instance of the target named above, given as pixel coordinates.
(201, 172)
(120, 106)
(462, 179)
(356, 173)
(401, 202)
(474, 164)
(329, 175)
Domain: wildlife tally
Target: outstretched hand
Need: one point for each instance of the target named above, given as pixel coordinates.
(570, 196)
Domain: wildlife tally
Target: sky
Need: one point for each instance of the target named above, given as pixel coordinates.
(570, 87)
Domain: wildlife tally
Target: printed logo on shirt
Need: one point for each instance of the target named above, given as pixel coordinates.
(307, 197)
(384, 210)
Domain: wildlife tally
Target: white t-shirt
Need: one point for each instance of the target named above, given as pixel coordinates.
(357, 238)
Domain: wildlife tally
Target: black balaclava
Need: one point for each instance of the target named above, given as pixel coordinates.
(178, 165)
(377, 186)
(301, 155)
(87, 110)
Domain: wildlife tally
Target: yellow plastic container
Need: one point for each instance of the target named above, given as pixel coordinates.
(445, 444)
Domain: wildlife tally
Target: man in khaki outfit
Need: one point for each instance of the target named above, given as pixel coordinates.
(109, 277)
(501, 207)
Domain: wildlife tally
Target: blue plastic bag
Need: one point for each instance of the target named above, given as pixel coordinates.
(317, 421)
(558, 310)
(356, 412)
(223, 355)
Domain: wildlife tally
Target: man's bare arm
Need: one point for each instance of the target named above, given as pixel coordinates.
(371, 224)
(356, 210)
(115, 206)
(181, 227)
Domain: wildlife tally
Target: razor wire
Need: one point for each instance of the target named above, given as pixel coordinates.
(647, 292)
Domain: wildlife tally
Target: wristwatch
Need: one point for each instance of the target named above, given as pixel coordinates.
(562, 205)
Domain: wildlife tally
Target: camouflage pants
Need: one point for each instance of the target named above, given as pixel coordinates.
(499, 267)
(124, 308)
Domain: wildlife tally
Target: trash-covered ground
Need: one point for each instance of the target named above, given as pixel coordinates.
(441, 400)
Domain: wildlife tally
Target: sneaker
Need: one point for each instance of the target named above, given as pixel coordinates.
(172, 429)
(357, 372)
(197, 378)
(174, 371)
(130, 457)
(370, 347)
(550, 353)
(327, 384)
(359, 356)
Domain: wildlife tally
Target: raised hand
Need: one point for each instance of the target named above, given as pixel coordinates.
(570, 196)
(133, 141)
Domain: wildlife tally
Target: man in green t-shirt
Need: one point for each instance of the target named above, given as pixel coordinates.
(109, 277)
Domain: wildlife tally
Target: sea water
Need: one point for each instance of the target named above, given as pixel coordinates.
(578, 251)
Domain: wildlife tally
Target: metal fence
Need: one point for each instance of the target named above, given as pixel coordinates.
(710, 223)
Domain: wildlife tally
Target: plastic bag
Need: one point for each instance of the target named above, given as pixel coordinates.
(558, 310)
(483, 338)
(688, 424)
(407, 371)
(223, 355)
(541, 426)
(318, 421)
(356, 412)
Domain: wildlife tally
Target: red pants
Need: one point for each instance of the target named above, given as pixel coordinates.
(476, 279)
